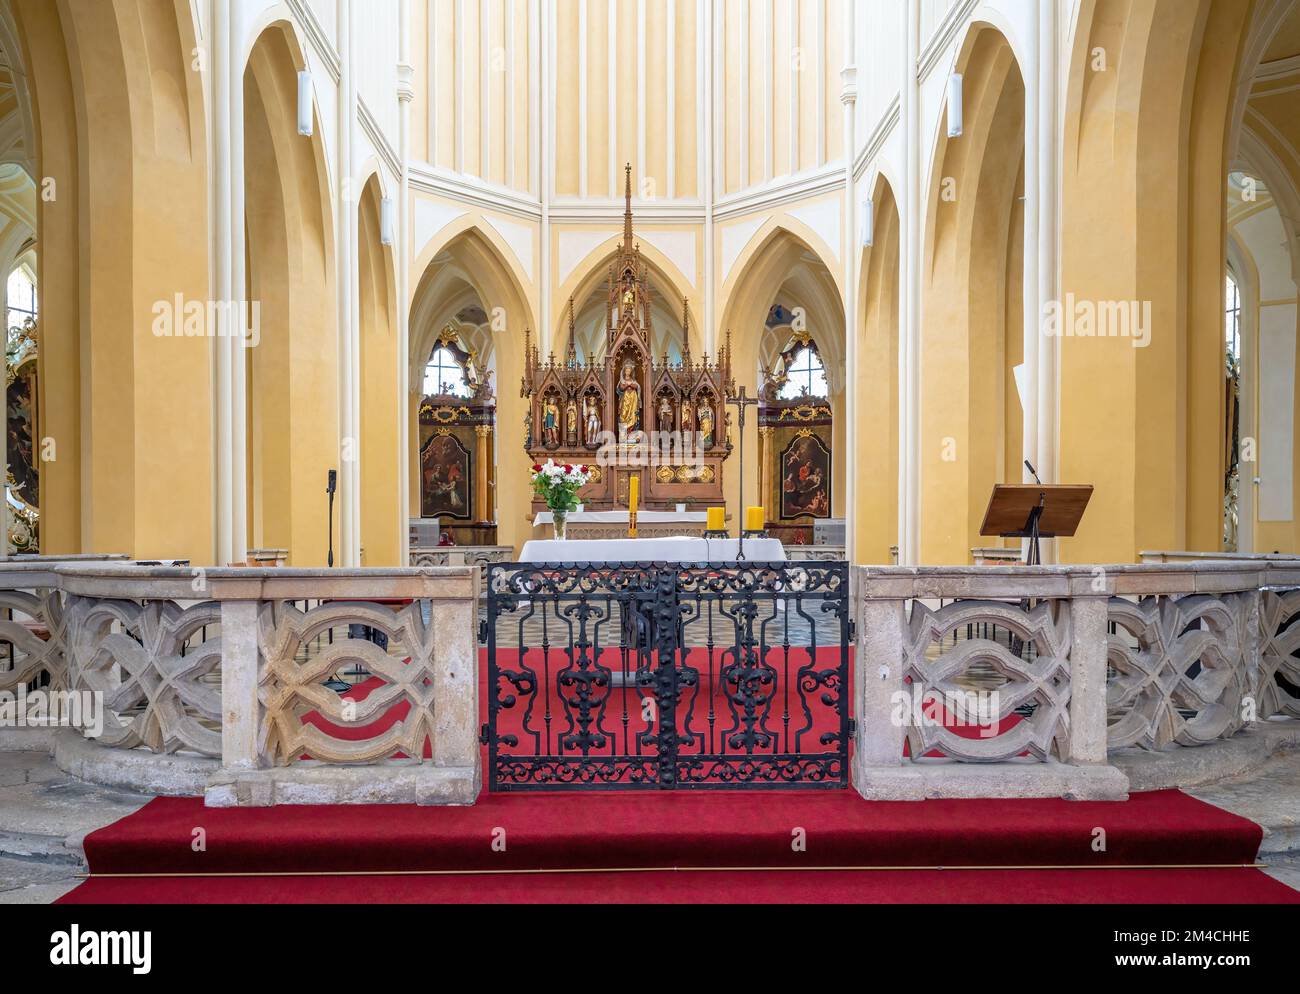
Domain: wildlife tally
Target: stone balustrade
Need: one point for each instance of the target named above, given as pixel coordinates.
(1087, 662)
(213, 681)
(228, 682)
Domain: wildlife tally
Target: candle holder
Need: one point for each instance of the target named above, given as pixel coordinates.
(717, 534)
(755, 533)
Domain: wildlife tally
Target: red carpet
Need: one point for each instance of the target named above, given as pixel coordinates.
(719, 834)
(664, 830)
(617, 830)
(715, 887)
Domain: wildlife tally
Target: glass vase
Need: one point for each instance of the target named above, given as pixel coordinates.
(560, 525)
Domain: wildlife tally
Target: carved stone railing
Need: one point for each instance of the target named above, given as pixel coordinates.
(215, 681)
(33, 633)
(1072, 665)
(460, 555)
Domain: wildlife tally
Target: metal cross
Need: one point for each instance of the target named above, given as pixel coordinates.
(741, 400)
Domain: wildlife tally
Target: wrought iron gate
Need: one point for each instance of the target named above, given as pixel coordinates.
(635, 676)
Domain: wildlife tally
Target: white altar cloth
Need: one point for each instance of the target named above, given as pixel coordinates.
(653, 550)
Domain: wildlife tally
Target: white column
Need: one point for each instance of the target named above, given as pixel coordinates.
(238, 294)
(710, 146)
(849, 97)
(220, 187)
(229, 284)
(545, 108)
(349, 316)
(909, 330)
(402, 263)
(1033, 196)
(1049, 192)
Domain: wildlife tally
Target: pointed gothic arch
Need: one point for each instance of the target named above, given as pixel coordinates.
(466, 255)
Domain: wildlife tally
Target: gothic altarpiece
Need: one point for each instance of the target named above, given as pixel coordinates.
(608, 412)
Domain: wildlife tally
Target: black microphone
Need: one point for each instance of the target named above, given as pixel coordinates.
(333, 482)
(1030, 466)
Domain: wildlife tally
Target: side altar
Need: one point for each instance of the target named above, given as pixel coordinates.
(626, 413)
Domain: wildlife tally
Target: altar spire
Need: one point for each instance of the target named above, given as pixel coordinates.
(627, 211)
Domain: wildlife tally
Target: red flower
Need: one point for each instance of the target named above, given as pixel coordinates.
(568, 469)
(537, 468)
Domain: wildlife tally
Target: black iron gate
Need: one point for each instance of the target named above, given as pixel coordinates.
(634, 676)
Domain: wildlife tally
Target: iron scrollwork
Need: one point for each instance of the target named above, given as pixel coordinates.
(634, 676)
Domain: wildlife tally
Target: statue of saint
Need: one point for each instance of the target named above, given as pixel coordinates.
(592, 432)
(629, 399)
(551, 423)
(706, 425)
(665, 418)
(571, 422)
(688, 418)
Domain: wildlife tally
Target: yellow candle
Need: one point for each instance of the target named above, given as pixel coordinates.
(754, 519)
(633, 492)
(717, 519)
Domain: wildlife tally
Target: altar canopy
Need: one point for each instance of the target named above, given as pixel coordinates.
(627, 413)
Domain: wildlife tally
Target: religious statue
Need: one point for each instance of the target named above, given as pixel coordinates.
(592, 432)
(571, 422)
(628, 301)
(665, 420)
(688, 415)
(629, 399)
(706, 425)
(551, 424)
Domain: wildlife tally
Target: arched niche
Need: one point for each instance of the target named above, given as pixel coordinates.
(292, 421)
(973, 323)
(782, 264)
(466, 270)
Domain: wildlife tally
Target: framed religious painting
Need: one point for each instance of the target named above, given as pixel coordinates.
(806, 478)
(445, 476)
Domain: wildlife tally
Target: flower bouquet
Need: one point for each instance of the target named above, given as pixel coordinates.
(557, 485)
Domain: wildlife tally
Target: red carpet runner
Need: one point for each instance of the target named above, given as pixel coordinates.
(723, 835)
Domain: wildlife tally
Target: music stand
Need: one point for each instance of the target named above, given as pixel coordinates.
(1035, 511)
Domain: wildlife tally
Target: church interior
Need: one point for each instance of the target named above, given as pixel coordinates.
(240, 258)
(330, 320)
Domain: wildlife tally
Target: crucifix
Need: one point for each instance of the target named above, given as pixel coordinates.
(741, 400)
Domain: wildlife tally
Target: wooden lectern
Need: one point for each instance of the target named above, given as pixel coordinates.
(1034, 511)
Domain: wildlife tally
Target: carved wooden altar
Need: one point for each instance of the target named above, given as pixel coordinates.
(618, 413)
(457, 440)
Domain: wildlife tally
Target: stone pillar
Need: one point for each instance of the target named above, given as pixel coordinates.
(877, 679)
(454, 623)
(240, 709)
(1088, 680)
(482, 433)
